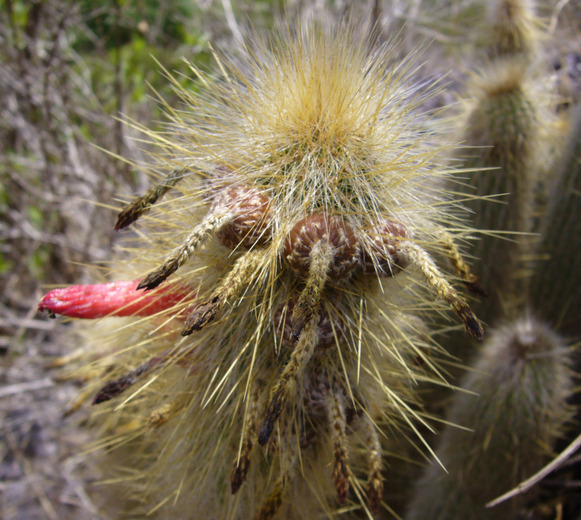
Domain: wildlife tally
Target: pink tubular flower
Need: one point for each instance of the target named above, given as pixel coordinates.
(111, 299)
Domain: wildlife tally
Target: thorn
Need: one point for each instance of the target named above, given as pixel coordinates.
(130, 214)
(471, 322)
(152, 280)
(337, 418)
(113, 389)
(321, 257)
(475, 288)
(462, 269)
(142, 204)
(272, 503)
(285, 386)
(240, 471)
(201, 316)
(272, 414)
(422, 261)
(297, 326)
(212, 222)
(230, 286)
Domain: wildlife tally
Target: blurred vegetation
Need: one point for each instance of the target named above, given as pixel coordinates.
(68, 70)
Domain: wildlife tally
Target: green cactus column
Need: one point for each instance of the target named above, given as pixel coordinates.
(503, 133)
(556, 292)
(511, 408)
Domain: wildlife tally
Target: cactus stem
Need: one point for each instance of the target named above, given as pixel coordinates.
(416, 256)
(141, 205)
(286, 384)
(229, 287)
(211, 223)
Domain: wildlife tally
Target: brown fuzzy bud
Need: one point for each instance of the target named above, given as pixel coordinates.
(316, 228)
(250, 208)
(381, 255)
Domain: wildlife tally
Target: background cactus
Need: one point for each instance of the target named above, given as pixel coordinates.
(511, 408)
(512, 30)
(505, 132)
(510, 115)
(557, 298)
(506, 128)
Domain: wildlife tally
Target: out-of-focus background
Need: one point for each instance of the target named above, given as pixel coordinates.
(69, 72)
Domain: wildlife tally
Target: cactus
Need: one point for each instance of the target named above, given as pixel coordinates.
(505, 126)
(505, 133)
(512, 406)
(512, 29)
(555, 293)
(302, 212)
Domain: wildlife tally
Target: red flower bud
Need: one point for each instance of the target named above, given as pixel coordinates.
(111, 299)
